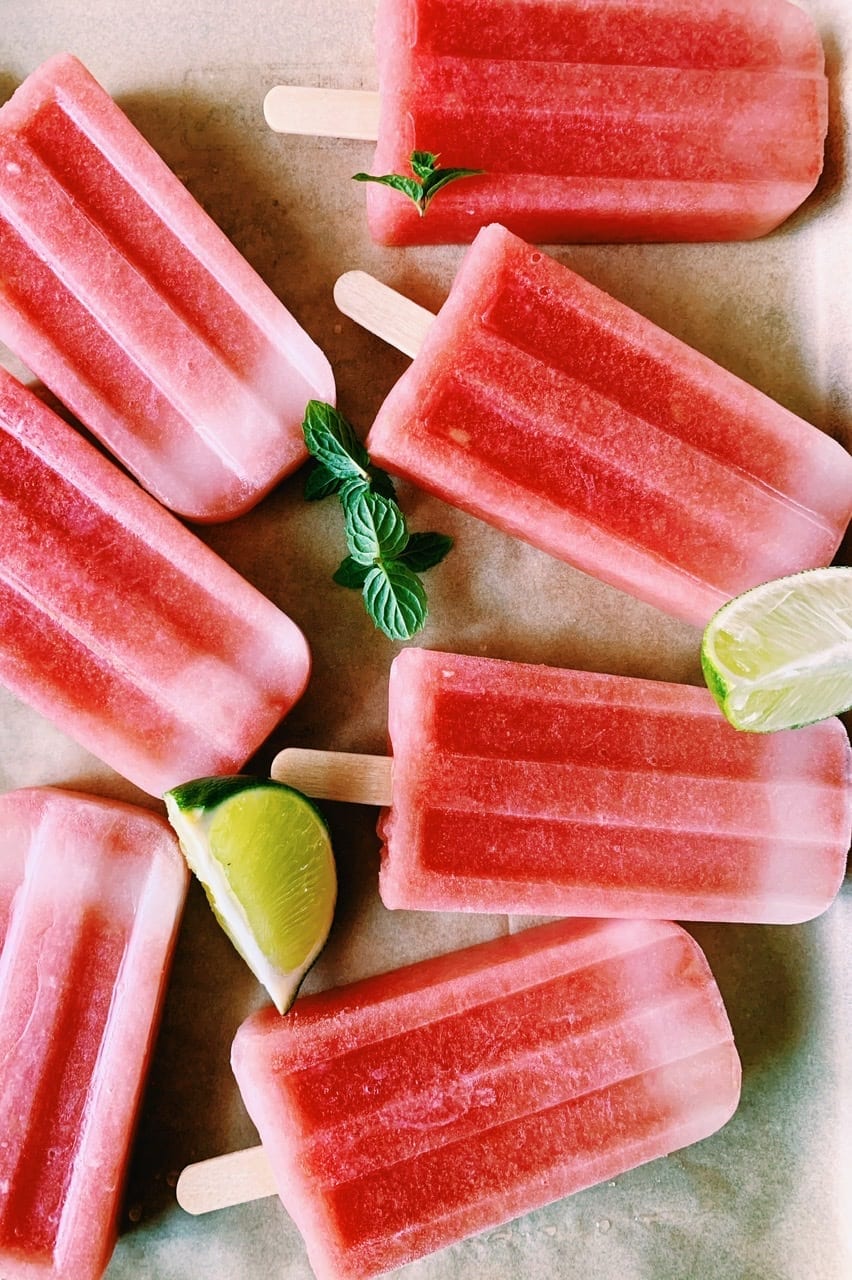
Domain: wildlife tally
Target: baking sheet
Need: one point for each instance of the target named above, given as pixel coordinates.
(768, 1197)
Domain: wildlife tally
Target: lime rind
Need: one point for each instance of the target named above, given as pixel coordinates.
(263, 855)
(780, 655)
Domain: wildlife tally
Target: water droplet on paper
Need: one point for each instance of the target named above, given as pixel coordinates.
(603, 1224)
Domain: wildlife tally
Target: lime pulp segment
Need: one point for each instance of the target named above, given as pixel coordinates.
(263, 854)
(780, 655)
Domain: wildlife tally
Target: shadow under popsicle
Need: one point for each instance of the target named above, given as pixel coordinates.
(8, 85)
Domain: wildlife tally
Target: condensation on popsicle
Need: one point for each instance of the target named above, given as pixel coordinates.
(124, 297)
(410, 1110)
(91, 893)
(119, 624)
(530, 789)
(600, 119)
(546, 407)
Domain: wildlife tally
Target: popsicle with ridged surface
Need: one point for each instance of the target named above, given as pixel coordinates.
(599, 119)
(410, 1110)
(532, 789)
(126, 299)
(91, 893)
(119, 624)
(550, 409)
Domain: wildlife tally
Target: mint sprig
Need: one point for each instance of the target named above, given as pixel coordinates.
(428, 179)
(384, 559)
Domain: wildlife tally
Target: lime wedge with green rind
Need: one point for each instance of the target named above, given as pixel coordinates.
(262, 852)
(780, 655)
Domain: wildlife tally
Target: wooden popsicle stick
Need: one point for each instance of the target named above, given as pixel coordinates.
(323, 113)
(384, 312)
(226, 1180)
(336, 775)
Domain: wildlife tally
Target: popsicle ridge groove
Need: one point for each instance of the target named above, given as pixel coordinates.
(77, 1030)
(443, 1114)
(113, 325)
(133, 306)
(550, 804)
(581, 116)
(718, 467)
(730, 38)
(310, 1044)
(501, 1160)
(625, 939)
(211, 301)
(87, 637)
(566, 488)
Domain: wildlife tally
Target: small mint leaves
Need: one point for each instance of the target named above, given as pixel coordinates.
(384, 558)
(428, 179)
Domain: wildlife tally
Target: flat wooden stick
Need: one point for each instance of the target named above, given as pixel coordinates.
(336, 775)
(323, 113)
(383, 311)
(225, 1180)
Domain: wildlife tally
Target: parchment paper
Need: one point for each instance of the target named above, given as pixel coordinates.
(768, 1198)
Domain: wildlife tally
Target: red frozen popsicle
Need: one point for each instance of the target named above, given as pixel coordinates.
(124, 297)
(546, 407)
(119, 624)
(598, 120)
(519, 788)
(91, 893)
(410, 1110)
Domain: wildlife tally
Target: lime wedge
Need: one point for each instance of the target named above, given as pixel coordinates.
(263, 854)
(780, 655)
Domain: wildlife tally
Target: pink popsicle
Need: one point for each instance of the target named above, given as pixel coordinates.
(600, 119)
(121, 626)
(91, 893)
(124, 297)
(405, 1112)
(544, 406)
(530, 789)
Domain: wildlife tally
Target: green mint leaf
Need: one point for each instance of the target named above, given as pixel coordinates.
(383, 558)
(424, 550)
(408, 186)
(321, 483)
(351, 574)
(423, 164)
(350, 490)
(395, 600)
(331, 440)
(375, 527)
(426, 183)
(442, 178)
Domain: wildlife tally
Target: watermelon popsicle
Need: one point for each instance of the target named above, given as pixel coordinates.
(549, 409)
(91, 894)
(518, 788)
(593, 120)
(119, 624)
(410, 1110)
(123, 296)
